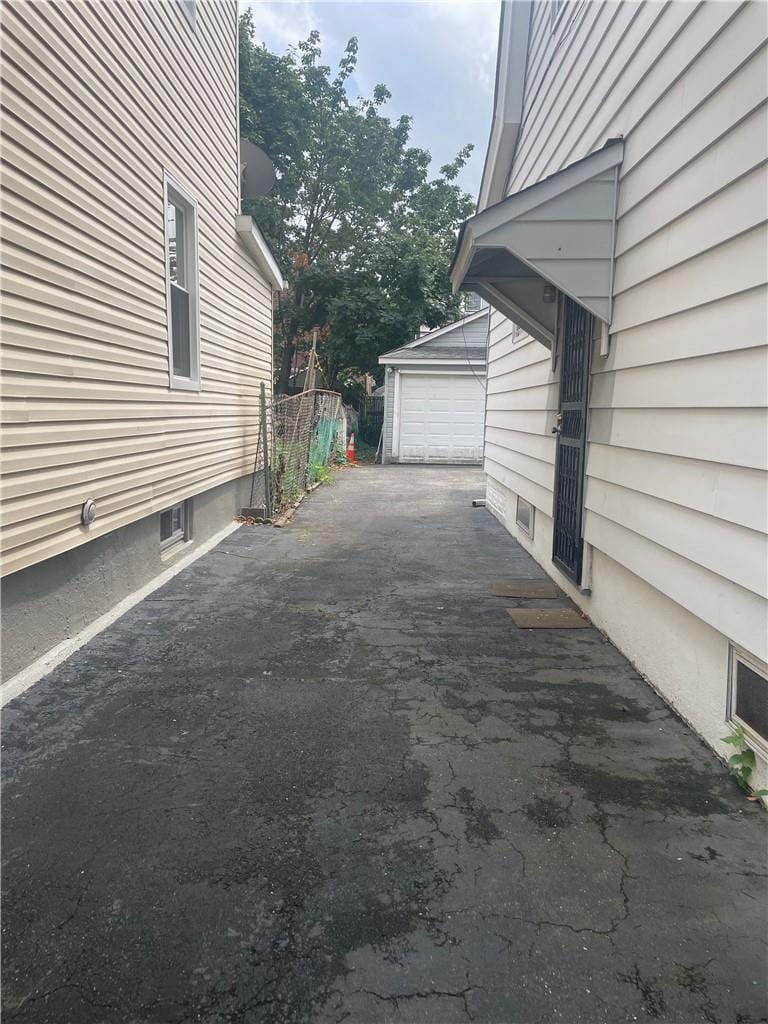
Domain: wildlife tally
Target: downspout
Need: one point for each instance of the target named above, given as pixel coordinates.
(605, 336)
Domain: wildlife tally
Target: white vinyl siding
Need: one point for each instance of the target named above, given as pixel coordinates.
(676, 486)
(99, 102)
(389, 414)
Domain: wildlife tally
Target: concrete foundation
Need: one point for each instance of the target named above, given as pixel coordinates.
(682, 657)
(48, 603)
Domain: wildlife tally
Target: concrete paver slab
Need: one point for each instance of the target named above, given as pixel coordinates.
(548, 618)
(317, 777)
(525, 588)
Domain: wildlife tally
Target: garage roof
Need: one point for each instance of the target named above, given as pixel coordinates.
(559, 231)
(463, 341)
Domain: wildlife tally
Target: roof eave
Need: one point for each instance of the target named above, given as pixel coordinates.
(256, 247)
(412, 361)
(507, 246)
(511, 63)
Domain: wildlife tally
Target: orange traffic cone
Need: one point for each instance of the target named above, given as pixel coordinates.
(351, 450)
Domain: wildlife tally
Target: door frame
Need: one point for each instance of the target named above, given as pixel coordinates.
(576, 574)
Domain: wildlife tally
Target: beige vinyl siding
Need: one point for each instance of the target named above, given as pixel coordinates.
(99, 101)
(676, 485)
(521, 404)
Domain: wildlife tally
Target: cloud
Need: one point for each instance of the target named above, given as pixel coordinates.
(283, 24)
(437, 57)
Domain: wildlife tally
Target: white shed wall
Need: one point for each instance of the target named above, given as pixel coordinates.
(389, 414)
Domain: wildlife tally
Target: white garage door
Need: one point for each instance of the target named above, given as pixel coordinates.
(441, 418)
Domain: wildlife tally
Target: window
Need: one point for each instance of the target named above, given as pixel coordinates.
(175, 525)
(181, 271)
(524, 516)
(748, 697)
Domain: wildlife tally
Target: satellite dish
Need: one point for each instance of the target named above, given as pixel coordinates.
(257, 172)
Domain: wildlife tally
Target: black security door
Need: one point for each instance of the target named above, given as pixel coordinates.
(571, 429)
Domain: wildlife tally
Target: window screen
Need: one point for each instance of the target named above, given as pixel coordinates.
(751, 699)
(173, 525)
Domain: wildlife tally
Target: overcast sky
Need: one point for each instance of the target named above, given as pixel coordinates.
(436, 57)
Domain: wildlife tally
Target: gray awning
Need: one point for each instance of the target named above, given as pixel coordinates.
(559, 231)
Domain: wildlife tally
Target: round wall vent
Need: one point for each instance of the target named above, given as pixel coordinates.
(88, 512)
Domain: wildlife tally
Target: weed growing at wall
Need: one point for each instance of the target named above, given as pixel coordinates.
(742, 763)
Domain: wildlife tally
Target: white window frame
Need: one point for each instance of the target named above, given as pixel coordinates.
(180, 536)
(737, 654)
(531, 516)
(176, 193)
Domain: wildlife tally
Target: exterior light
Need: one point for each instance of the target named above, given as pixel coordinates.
(550, 293)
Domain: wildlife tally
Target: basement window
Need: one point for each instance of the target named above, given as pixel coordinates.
(748, 697)
(524, 516)
(175, 525)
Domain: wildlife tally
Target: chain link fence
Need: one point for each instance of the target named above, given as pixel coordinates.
(300, 438)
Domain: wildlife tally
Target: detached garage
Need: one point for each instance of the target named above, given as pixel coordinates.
(434, 395)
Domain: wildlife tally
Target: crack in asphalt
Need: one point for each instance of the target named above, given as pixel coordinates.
(346, 788)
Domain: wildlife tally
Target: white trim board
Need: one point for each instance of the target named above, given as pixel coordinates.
(455, 365)
(442, 371)
(24, 680)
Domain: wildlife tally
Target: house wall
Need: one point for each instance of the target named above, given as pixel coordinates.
(99, 101)
(676, 507)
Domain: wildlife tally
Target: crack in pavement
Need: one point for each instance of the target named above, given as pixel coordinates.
(320, 776)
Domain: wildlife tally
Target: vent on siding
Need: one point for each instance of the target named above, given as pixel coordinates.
(524, 516)
(749, 697)
(494, 500)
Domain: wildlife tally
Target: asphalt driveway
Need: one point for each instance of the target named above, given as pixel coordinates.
(321, 776)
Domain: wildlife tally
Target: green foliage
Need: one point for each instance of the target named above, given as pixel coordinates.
(339, 455)
(364, 236)
(743, 762)
(364, 452)
(320, 473)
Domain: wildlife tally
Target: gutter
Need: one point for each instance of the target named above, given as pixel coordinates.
(257, 248)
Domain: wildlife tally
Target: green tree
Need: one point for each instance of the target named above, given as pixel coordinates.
(363, 234)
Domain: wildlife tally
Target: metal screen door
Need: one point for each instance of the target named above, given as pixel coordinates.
(572, 437)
